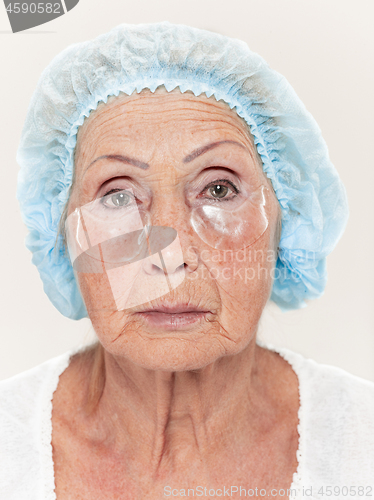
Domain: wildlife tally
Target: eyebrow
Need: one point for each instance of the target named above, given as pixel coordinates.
(137, 163)
(208, 147)
(123, 159)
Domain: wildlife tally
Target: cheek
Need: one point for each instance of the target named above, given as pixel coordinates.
(244, 280)
(243, 276)
(107, 321)
(96, 292)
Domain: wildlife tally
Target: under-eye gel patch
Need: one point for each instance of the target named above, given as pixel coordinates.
(233, 224)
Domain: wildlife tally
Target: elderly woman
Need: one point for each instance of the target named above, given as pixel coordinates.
(172, 184)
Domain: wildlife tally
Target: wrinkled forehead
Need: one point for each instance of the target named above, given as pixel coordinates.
(163, 122)
(147, 104)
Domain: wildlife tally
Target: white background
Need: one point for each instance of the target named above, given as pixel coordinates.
(325, 49)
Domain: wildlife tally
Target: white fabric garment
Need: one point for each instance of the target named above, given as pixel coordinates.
(336, 432)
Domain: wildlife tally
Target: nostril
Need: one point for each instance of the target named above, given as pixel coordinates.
(177, 268)
(162, 267)
(152, 268)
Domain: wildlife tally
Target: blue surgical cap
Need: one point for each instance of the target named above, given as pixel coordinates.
(135, 57)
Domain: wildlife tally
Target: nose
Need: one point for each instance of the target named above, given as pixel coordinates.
(166, 254)
(170, 210)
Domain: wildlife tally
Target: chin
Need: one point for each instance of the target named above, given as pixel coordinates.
(176, 350)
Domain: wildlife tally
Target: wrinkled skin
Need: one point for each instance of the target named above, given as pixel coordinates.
(201, 405)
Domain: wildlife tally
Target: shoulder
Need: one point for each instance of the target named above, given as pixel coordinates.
(23, 391)
(336, 391)
(336, 423)
(25, 426)
(323, 383)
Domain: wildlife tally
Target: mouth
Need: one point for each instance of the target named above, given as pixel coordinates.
(174, 317)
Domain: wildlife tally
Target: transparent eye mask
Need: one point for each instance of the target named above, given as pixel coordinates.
(114, 236)
(234, 223)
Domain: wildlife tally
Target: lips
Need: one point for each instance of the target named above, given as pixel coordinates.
(175, 309)
(174, 316)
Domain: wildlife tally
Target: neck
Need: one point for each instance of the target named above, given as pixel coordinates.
(165, 419)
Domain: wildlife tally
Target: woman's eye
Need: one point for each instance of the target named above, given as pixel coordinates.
(118, 199)
(218, 191)
(221, 190)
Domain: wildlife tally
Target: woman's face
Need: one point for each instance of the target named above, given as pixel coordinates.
(175, 153)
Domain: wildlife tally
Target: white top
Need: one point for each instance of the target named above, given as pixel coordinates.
(336, 432)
